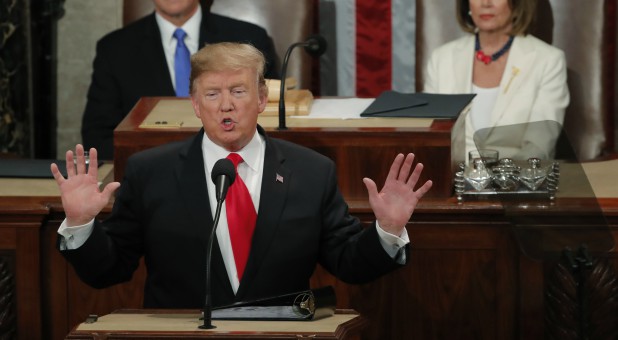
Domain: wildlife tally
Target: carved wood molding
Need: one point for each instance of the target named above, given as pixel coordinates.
(8, 318)
(599, 302)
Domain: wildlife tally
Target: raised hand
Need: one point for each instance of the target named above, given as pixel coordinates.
(81, 198)
(394, 204)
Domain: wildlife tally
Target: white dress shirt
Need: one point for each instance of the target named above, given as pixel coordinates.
(482, 106)
(251, 173)
(192, 40)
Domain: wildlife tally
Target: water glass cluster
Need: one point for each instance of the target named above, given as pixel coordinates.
(488, 174)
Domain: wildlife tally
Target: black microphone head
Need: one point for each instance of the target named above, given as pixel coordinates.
(223, 167)
(315, 45)
(223, 175)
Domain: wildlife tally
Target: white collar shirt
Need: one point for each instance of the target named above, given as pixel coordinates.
(192, 40)
(251, 173)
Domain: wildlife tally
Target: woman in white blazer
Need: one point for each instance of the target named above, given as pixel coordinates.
(520, 82)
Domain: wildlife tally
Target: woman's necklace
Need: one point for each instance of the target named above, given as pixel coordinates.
(480, 56)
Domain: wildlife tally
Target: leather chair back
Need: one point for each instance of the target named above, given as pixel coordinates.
(286, 21)
(585, 31)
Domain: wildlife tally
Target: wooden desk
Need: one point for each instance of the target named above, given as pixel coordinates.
(358, 151)
(20, 275)
(165, 324)
(40, 295)
(466, 276)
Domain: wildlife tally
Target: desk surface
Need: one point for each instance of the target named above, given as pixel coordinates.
(174, 113)
(44, 187)
(600, 175)
(185, 323)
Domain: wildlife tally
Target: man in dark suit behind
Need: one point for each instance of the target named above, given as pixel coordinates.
(137, 61)
(164, 209)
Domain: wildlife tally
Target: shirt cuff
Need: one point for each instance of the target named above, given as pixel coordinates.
(392, 244)
(74, 237)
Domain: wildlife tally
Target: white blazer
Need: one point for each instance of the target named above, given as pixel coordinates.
(533, 89)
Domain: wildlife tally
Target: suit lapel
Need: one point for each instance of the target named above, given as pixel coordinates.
(520, 62)
(191, 178)
(275, 182)
(462, 65)
(151, 48)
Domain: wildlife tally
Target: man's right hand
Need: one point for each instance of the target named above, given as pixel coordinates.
(81, 198)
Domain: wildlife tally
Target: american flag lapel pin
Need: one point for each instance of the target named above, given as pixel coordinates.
(279, 178)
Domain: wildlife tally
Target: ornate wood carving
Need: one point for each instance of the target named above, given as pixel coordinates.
(8, 319)
(596, 305)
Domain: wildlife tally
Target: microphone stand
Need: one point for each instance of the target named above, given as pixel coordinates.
(223, 175)
(208, 302)
(315, 45)
(284, 68)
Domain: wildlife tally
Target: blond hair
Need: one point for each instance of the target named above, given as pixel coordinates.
(228, 56)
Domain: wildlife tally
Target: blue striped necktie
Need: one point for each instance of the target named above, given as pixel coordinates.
(182, 64)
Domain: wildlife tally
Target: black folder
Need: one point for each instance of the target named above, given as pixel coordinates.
(31, 168)
(418, 105)
(305, 305)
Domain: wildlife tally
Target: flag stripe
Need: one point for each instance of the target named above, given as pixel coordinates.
(346, 37)
(373, 47)
(403, 28)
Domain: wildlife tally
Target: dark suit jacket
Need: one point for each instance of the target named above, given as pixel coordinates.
(130, 64)
(162, 212)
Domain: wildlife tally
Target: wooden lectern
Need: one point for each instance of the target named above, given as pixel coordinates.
(183, 324)
(360, 147)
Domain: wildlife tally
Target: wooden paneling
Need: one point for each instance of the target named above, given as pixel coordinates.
(358, 152)
(468, 275)
(461, 282)
(67, 301)
(20, 223)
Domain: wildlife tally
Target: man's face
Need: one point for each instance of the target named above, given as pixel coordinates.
(228, 104)
(175, 8)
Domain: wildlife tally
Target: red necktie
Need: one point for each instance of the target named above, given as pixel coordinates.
(241, 218)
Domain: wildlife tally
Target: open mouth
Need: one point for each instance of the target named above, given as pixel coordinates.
(228, 123)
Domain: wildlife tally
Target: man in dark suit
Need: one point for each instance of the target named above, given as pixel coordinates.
(137, 61)
(164, 209)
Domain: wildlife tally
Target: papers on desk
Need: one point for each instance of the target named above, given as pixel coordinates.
(338, 108)
(392, 104)
(346, 113)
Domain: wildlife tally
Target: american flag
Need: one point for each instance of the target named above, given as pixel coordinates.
(373, 49)
(279, 178)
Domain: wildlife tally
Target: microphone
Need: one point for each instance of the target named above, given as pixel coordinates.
(223, 175)
(315, 45)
